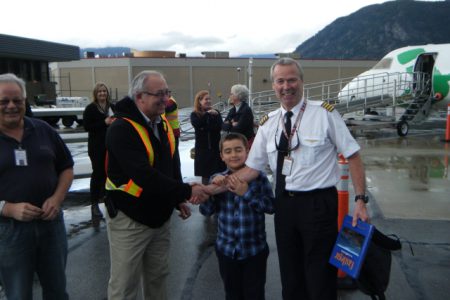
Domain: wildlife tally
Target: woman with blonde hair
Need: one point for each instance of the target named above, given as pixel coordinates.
(97, 117)
(207, 123)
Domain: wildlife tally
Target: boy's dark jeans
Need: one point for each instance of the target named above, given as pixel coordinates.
(244, 279)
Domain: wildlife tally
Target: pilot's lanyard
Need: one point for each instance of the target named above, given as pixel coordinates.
(294, 128)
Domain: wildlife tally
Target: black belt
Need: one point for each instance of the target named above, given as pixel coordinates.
(304, 193)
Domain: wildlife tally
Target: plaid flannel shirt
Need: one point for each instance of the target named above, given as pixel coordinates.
(241, 220)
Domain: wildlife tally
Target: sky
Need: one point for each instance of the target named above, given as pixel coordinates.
(191, 27)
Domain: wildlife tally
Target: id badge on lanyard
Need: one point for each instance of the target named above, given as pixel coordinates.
(288, 161)
(20, 156)
(287, 166)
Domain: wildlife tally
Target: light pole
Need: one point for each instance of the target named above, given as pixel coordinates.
(238, 74)
(250, 80)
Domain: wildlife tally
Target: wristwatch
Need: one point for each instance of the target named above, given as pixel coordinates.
(363, 197)
(2, 203)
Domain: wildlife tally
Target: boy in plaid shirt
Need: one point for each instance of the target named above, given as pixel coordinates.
(241, 245)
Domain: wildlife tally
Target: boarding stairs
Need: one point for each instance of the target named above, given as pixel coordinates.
(419, 108)
(351, 94)
(409, 91)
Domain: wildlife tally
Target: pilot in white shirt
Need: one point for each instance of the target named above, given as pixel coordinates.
(320, 136)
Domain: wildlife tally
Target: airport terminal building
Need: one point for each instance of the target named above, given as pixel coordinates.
(29, 59)
(52, 69)
(215, 72)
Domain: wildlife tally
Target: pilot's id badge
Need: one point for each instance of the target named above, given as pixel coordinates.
(21, 157)
(287, 166)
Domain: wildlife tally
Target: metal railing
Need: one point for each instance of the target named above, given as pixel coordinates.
(184, 117)
(355, 94)
(346, 94)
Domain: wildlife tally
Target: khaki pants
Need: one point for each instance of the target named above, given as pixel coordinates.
(139, 254)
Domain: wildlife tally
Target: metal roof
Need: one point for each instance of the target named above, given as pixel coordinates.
(25, 48)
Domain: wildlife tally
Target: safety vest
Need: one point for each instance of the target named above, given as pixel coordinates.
(172, 117)
(131, 187)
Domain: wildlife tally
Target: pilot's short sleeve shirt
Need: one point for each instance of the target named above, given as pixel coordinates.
(322, 135)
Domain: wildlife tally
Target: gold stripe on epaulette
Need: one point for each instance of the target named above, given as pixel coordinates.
(328, 106)
(263, 120)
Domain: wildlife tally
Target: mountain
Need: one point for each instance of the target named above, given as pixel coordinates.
(375, 30)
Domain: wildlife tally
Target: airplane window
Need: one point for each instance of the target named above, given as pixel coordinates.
(385, 63)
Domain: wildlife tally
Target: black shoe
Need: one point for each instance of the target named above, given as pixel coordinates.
(96, 224)
(96, 212)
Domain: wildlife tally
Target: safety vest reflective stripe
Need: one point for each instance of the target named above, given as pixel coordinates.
(172, 116)
(170, 134)
(145, 139)
(131, 187)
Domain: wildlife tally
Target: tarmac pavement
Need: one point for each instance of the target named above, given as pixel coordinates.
(409, 188)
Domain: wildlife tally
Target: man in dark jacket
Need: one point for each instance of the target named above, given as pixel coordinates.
(144, 185)
(240, 116)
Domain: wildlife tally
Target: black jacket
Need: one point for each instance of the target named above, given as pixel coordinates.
(94, 124)
(244, 117)
(207, 137)
(162, 185)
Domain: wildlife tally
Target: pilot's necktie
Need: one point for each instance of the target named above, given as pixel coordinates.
(282, 152)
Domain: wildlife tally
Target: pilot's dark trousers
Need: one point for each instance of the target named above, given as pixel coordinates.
(306, 229)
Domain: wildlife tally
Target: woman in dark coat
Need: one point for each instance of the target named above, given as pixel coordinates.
(97, 117)
(240, 116)
(207, 123)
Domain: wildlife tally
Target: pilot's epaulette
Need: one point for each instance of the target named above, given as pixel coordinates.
(327, 106)
(263, 120)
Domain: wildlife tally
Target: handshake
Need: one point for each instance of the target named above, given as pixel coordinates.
(219, 184)
(200, 193)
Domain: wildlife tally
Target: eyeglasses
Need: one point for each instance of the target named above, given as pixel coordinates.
(159, 94)
(16, 102)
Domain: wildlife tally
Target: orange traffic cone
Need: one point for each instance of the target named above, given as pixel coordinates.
(342, 189)
(447, 129)
(343, 280)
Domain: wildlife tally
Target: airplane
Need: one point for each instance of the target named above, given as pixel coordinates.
(413, 77)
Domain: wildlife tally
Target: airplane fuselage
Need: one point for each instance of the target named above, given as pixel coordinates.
(400, 69)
